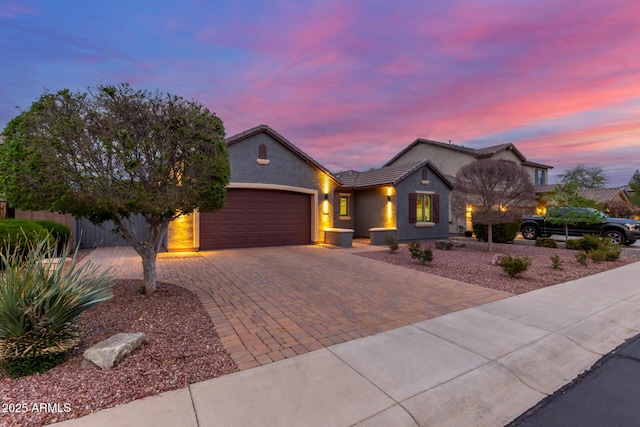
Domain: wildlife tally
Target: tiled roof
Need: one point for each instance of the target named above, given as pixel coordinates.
(284, 141)
(603, 195)
(478, 153)
(386, 175)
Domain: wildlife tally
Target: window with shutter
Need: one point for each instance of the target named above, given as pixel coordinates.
(424, 209)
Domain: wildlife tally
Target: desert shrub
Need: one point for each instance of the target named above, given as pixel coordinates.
(572, 244)
(502, 233)
(613, 252)
(17, 236)
(32, 365)
(61, 233)
(422, 255)
(598, 255)
(40, 307)
(582, 257)
(556, 262)
(514, 266)
(598, 249)
(590, 242)
(414, 248)
(392, 242)
(546, 242)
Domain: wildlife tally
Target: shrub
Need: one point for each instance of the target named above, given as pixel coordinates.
(556, 262)
(422, 255)
(613, 252)
(414, 248)
(573, 244)
(546, 242)
(590, 242)
(502, 233)
(392, 242)
(17, 236)
(598, 255)
(61, 233)
(582, 257)
(587, 243)
(40, 307)
(32, 365)
(514, 266)
(598, 249)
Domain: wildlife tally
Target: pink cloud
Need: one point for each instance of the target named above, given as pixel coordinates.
(13, 9)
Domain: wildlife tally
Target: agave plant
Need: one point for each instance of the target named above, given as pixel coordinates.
(41, 302)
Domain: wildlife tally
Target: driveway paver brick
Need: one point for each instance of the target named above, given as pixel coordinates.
(269, 304)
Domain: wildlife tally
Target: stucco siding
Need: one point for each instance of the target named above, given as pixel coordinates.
(369, 209)
(411, 184)
(284, 169)
(448, 161)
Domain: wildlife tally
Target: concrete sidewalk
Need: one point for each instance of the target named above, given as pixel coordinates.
(482, 366)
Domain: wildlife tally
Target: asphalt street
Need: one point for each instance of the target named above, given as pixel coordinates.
(606, 395)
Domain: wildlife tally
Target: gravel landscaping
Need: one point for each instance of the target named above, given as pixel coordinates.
(183, 346)
(473, 264)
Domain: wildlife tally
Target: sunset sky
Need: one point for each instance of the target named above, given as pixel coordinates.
(352, 82)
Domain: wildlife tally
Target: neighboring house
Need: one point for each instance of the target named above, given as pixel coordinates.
(450, 158)
(609, 198)
(412, 198)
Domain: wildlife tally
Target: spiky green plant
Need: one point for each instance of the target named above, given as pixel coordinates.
(41, 302)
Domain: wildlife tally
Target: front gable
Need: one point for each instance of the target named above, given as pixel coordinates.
(261, 155)
(388, 197)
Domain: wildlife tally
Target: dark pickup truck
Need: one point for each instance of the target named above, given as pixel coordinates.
(621, 231)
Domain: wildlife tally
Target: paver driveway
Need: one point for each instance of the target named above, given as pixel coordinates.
(268, 304)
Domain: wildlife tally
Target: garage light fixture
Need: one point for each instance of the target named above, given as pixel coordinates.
(326, 196)
(388, 198)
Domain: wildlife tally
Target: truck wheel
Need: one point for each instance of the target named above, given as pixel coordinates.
(529, 232)
(616, 237)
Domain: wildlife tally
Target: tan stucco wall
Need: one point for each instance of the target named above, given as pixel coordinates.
(448, 161)
(39, 215)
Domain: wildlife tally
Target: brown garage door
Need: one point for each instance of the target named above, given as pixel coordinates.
(258, 218)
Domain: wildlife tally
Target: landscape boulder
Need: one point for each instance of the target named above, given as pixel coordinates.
(107, 353)
(444, 244)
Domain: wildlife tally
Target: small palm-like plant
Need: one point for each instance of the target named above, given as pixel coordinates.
(41, 303)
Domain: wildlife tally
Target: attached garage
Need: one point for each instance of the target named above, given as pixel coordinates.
(257, 217)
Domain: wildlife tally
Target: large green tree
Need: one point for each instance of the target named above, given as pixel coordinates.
(113, 152)
(584, 177)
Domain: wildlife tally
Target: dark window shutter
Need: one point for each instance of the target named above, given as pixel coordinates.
(436, 208)
(262, 151)
(412, 208)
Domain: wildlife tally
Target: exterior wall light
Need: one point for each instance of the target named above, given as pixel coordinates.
(326, 196)
(388, 198)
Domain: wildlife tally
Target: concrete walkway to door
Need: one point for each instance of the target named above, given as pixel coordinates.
(269, 304)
